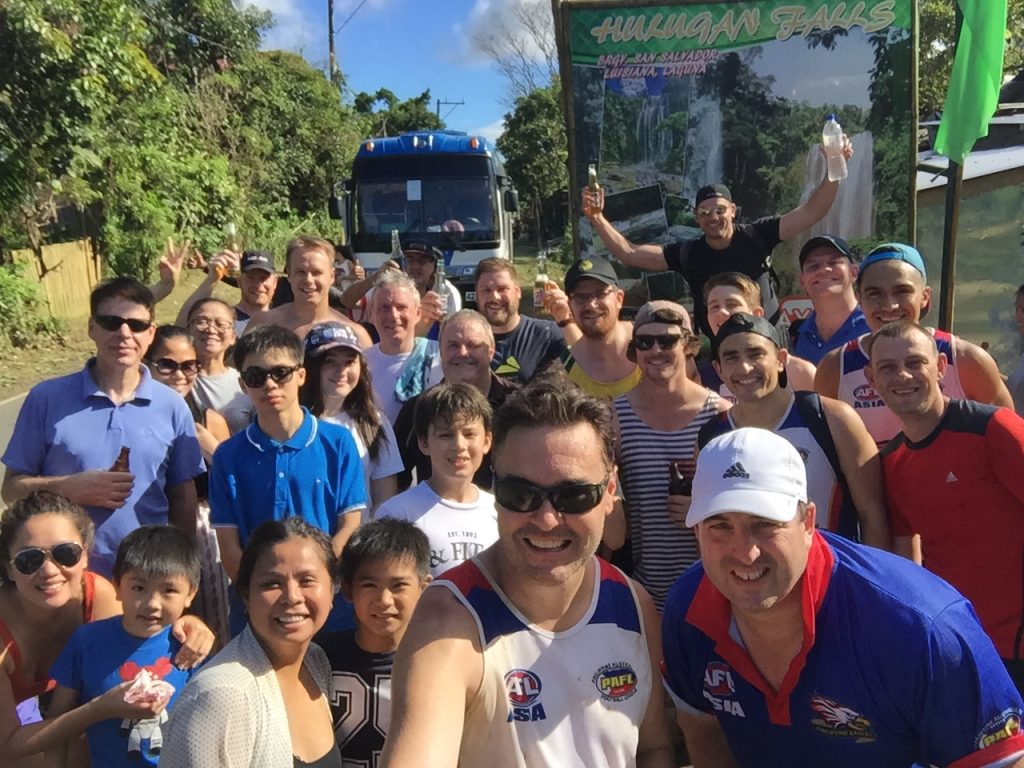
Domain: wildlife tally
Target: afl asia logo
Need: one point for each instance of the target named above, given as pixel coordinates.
(523, 688)
(865, 393)
(615, 682)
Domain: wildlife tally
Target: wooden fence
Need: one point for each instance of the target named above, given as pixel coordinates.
(71, 272)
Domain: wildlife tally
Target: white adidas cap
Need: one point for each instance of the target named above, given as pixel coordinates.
(748, 470)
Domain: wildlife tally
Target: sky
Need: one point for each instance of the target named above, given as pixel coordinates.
(406, 46)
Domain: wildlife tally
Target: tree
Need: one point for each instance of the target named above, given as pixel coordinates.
(521, 41)
(534, 146)
(390, 117)
(937, 33)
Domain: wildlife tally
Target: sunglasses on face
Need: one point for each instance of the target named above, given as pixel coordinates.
(569, 499)
(166, 366)
(114, 323)
(254, 376)
(665, 341)
(66, 555)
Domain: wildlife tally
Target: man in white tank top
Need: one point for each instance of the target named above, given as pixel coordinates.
(893, 285)
(535, 652)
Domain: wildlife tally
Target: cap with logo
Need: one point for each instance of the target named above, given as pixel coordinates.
(709, 191)
(827, 241)
(257, 260)
(326, 336)
(595, 268)
(418, 246)
(895, 252)
(749, 470)
(662, 311)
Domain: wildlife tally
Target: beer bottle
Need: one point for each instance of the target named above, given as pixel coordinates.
(592, 178)
(540, 281)
(121, 462)
(440, 286)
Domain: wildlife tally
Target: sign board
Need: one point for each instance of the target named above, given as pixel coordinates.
(673, 96)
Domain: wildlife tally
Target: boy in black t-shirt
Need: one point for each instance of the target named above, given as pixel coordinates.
(385, 567)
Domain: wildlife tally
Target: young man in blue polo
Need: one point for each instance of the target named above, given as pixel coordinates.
(789, 646)
(285, 463)
(108, 437)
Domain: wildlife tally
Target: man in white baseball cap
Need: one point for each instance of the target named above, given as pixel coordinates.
(790, 646)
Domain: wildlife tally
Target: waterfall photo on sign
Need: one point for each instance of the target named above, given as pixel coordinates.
(665, 98)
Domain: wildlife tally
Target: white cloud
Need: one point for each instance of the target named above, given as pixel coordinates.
(504, 18)
(490, 131)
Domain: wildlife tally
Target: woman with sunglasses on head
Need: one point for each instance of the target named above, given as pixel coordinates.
(212, 324)
(172, 360)
(338, 389)
(262, 702)
(46, 593)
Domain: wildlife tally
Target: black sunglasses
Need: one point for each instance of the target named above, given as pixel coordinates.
(569, 499)
(254, 376)
(30, 560)
(166, 366)
(665, 341)
(114, 323)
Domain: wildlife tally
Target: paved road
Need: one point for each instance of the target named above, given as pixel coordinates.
(8, 414)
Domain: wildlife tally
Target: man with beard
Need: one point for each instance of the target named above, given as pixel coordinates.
(467, 348)
(523, 345)
(844, 473)
(656, 430)
(597, 362)
(955, 477)
(535, 652)
(893, 285)
(309, 265)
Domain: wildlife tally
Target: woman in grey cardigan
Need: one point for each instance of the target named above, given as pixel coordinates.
(262, 701)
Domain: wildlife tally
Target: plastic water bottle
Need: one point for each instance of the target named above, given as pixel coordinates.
(832, 141)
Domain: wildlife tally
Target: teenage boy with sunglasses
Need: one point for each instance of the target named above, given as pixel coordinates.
(72, 430)
(656, 429)
(285, 463)
(535, 652)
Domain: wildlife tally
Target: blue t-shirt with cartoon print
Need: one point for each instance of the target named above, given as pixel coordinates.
(102, 655)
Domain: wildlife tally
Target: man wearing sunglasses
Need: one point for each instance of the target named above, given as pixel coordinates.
(535, 652)
(787, 646)
(656, 432)
(72, 429)
(725, 246)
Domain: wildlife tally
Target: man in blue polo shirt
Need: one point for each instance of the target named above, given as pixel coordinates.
(72, 430)
(828, 271)
(285, 463)
(787, 646)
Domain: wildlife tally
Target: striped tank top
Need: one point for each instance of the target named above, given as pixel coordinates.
(662, 550)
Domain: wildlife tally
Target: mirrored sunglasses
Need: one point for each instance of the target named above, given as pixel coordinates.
(569, 499)
(28, 561)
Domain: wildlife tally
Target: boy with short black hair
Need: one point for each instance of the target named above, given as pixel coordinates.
(385, 567)
(285, 463)
(156, 574)
(453, 428)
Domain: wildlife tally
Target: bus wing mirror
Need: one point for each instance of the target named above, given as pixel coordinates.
(336, 204)
(511, 200)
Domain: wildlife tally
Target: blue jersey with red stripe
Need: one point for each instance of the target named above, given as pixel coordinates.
(895, 670)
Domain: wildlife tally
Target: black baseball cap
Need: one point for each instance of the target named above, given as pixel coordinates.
(418, 246)
(257, 260)
(709, 191)
(743, 322)
(827, 241)
(596, 268)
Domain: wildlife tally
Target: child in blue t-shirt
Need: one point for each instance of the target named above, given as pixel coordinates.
(156, 574)
(385, 567)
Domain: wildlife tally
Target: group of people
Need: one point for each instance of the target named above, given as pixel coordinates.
(419, 533)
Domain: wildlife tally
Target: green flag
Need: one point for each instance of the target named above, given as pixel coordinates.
(977, 75)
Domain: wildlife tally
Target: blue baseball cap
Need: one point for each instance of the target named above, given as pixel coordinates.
(895, 252)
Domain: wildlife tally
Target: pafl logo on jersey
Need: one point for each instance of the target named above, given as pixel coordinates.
(718, 686)
(835, 719)
(615, 682)
(523, 687)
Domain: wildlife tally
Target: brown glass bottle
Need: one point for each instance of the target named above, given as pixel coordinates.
(121, 462)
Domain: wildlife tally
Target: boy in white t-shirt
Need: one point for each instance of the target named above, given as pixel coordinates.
(453, 427)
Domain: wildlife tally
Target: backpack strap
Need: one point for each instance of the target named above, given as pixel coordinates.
(712, 428)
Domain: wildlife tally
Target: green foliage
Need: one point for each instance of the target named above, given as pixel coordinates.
(23, 320)
(387, 116)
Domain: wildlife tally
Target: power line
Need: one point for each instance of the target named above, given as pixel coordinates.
(346, 21)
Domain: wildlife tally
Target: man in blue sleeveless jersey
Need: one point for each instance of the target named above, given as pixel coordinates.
(787, 646)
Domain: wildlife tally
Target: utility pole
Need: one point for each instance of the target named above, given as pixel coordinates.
(447, 104)
(335, 75)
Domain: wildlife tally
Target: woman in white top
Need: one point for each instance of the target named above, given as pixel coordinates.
(338, 389)
(262, 701)
(212, 325)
